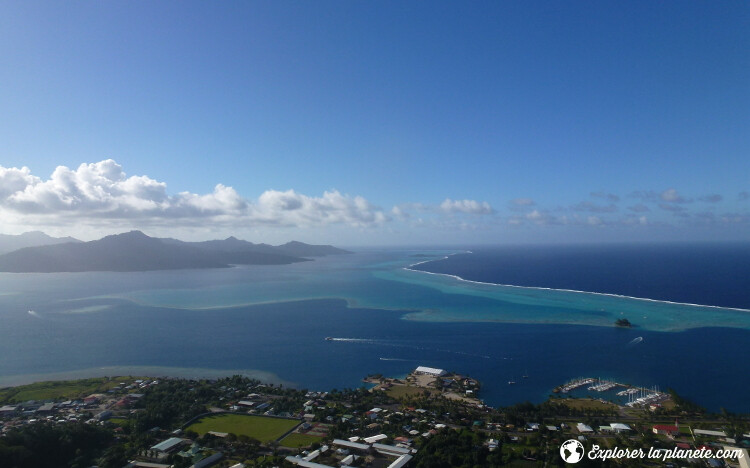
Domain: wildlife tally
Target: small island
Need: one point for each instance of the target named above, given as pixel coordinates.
(623, 322)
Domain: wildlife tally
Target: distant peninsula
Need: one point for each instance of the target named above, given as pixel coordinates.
(135, 251)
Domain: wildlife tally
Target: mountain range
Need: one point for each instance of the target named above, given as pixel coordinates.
(135, 251)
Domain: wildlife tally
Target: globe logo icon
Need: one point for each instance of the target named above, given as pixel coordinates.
(571, 451)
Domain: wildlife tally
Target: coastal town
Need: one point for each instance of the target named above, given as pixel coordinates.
(430, 417)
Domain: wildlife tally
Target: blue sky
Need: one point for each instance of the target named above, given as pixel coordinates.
(377, 122)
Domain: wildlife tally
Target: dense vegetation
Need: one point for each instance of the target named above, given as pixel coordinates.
(459, 449)
(684, 405)
(623, 322)
(46, 445)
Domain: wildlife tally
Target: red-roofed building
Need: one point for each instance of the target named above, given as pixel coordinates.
(670, 431)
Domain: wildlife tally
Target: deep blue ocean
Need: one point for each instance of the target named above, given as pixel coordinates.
(272, 322)
(708, 274)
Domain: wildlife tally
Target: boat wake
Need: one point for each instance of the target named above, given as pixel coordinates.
(34, 313)
(408, 346)
(354, 340)
(635, 341)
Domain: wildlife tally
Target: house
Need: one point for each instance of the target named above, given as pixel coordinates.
(620, 427)
(8, 409)
(703, 432)
(667, 430)
(584, 429)
(46, 408)
(211, 460)
(168, 445)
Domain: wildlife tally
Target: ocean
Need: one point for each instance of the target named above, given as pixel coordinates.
(709, 274)
(272, 322)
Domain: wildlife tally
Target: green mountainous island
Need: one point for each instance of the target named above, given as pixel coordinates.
(135, 251)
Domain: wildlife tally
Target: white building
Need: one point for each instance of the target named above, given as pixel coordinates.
(430, 371)
(583, 428)
(620, 427)
(703, 432)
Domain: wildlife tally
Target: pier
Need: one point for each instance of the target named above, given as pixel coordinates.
(636, 396)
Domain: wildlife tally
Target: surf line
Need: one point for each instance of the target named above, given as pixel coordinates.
(539, 288)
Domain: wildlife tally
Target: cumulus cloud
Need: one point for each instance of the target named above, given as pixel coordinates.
(671, 196)
(466, 206)
(294, 209)
(594, 221)
(14, 180)
(606, 196)
(102, 191)
(544, 218)
(400, 213)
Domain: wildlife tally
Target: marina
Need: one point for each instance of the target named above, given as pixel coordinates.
(607, 390)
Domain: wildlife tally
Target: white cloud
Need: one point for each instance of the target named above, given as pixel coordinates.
(102, 191)
(13, 180)
(294, 209)
(594, 221)
(400, 213)
(671, 196)
(465, 206)
(543, 218)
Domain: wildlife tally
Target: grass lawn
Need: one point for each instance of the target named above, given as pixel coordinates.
(262, 428)
(586, 404)
(59, 389)
(402, 391)
(295, 440)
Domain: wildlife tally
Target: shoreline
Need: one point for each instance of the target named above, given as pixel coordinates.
(18, 380)
(540, 288)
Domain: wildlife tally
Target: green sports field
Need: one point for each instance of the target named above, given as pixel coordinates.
(262, 428)
(295, 440)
